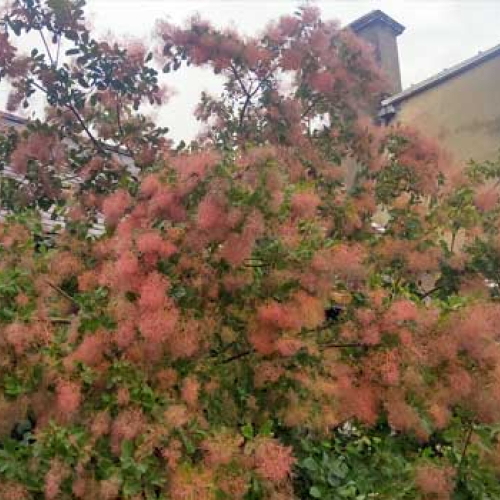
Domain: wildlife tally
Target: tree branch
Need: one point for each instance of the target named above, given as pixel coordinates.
(467, 441)
(63, 293)
(248, 93)
(340, 346)
(58, 49)
(256, 263)
(430, 292)
(239, 80)
(64, 321)
(311, 106)
(89, 134)
(55, 320)
(52, 62)
(237, 356)
(118, 118)
(453, 238)
(85, 128)
(120, 128)
(247, 103)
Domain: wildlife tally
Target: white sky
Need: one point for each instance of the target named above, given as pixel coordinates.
(439, 34)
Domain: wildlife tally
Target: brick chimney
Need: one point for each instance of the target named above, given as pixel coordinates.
(382, 31)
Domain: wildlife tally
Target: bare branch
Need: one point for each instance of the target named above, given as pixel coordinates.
(311, 106)
(52, 62)
(85, 128)
(467, 441)
(120, 128)
(341, 346)
(63, 293)
(239, 80)
(77, 115)
(58, 49)
(237, 356)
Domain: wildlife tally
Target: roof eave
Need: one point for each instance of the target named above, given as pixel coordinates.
(443, 76)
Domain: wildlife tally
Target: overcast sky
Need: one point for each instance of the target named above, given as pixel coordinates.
(439, 33)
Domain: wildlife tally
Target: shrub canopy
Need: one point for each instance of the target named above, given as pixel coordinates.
(298, 304)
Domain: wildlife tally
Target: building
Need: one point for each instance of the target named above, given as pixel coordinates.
(8, 120)
(381, 31)
(459, 106)
(51, 220)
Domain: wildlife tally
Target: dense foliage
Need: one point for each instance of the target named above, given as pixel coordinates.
(298, 304)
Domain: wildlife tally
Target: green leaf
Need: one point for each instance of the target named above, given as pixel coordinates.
(315, 492)
(247, 431)
(310, 464)
(127, 449)
(266, 429)
(339, 468)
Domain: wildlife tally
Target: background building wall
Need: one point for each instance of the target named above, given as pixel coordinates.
(463, 113)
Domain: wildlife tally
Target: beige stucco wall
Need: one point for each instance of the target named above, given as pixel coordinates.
(463, 113)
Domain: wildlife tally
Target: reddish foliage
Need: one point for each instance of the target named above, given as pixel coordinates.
(273, 461)
(55, 476)
(304, 205)
(68, 399)
(115, 205)
(241, 261)
(188, 484)
(126, 426)
(221, 450)
(436, 482)
(13, 491)
(190, 390)
(90, 351)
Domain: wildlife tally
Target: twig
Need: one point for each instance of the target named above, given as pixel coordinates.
(78, 117)
(247, 103)
(85, 128)
(65, 321)
(466, 444)
(339, 346)
(238, 78)
(246, 92)
(63, 293)
(55, 320)
(58, 49)
(46, 47)
(118, 118)
(225, 348)
(120, 128)
(39, 87)
(430, 292)
(255, 262)
(311, 106)
(453, 238)
(237, 356)
(322, 328)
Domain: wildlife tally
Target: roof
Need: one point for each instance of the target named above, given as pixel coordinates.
(52, 222)
(10, 119)
(376, 16)
(443, 76)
